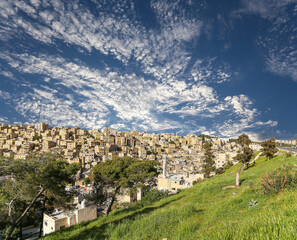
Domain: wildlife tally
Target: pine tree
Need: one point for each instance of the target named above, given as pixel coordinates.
(32, 181)
(244, 156)
(269, 148)
(208, 160)
(122, 173)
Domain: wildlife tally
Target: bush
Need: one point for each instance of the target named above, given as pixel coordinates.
(199, 180)
(277, 181)
(219, 170)
(288, 154)
(152, 196)
(228, 164)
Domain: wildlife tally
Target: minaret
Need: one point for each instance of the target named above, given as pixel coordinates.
(164, 166)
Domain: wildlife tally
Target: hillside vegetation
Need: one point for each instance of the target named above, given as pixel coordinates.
(205, 211)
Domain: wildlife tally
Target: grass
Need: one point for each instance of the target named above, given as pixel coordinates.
(205, 211)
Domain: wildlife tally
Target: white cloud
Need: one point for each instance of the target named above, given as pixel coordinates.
(4, 120)
(4, 95)
(269, 9)
(7, 74)
(94, 98)
(159, 52)
(88, 97)
(280, 41)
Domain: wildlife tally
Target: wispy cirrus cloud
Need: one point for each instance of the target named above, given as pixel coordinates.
(159, 52)
(5, 95)
(280, 41)
(166, 85)
(269, 9)
(121, 100)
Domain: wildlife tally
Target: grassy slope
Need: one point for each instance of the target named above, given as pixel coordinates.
(205, 211)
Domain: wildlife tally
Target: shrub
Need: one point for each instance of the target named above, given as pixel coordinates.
(153, 195)
(288, 154)
(277, 181)
(219, 170)
(199, 180)
(228, 164)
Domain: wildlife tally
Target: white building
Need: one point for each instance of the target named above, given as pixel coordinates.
(60, 219)
(41, 126)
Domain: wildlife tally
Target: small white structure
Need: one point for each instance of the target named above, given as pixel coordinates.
(60, 219)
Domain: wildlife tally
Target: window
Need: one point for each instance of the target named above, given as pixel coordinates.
(45, 223)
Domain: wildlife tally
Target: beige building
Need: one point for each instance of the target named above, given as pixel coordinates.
(128, 197)
(101, 151)
(173, 183)
(60, 219)
(41, 126)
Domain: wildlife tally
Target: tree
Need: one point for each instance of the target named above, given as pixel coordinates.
(243, 140)
(269, 148)
(208, 160)
(29, 182)
(122, 173)
(244, 156)
(87, 181)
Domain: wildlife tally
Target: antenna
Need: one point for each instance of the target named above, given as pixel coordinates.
(164, 166)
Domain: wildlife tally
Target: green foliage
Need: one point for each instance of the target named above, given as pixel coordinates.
(208, 160)
(245, 156)
(229, 164)
(199, 180)
(78, 147)
(37, 137)
(277, 181)
(219, 170)
(269, 148)
(243, 140)
(149, 152)
(87, 181)
(153, 195)
(288, 154)
(41, 176)
(123, 173)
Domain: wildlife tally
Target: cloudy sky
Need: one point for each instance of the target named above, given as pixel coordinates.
(189, 66)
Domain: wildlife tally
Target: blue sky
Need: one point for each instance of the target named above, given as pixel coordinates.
(213, 67)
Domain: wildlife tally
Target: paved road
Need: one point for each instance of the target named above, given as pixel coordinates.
(288, 149)
(32, 233)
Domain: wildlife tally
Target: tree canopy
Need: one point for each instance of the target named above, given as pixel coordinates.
(244, 156)
(243, 140)
(123, 173)
(269, 148)
(26, 182)
(208, 160)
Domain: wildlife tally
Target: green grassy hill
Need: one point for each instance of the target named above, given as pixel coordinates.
(205, 211)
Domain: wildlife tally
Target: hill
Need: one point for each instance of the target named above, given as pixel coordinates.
(205, 211)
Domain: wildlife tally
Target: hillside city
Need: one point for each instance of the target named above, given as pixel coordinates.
(180, 159)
